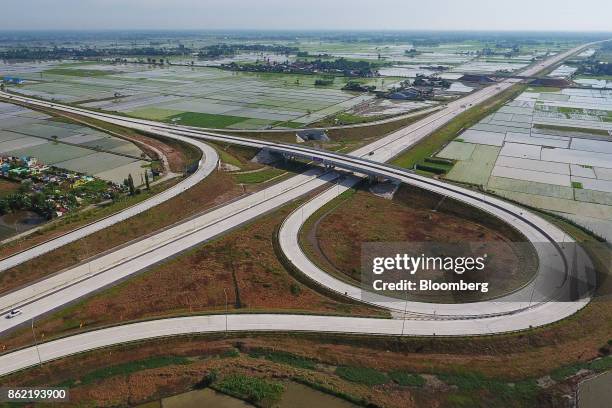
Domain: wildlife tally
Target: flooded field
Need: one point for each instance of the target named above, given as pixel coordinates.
(295, 396)
(190, 90)
(18, 222)
(27, 133)
(197, 96)
(596, 392)
(549, 150)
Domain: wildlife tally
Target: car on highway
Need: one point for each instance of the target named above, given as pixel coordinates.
(13, 313)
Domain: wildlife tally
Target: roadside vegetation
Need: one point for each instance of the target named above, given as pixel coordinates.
(344, 140)
(345, 118)
(428, 146)
(242, 263)
(258, 176)
(386, 372)
(215, 189)
(245, 171)
(252, 389)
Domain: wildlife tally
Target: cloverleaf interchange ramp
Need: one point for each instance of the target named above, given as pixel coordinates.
(206, 165)
(181, 237)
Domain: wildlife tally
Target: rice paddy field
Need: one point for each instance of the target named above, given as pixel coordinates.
(549, 150)
(26, 133)
(203, 95)
(458, 58)
(198, 96)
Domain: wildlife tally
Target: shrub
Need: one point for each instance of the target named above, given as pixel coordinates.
(295, 289)
(282, 357)
(252, 389)
(405, 378)
(362, 375)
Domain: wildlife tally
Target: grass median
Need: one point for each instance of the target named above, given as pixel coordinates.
(432, 143)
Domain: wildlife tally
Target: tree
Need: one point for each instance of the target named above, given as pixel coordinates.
(4, 207)
(147, 180)
(130, 185)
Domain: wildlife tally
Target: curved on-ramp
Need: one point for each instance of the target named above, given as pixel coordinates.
(457, 324)
(533, 227)
(206, 165)
(210, 324)
(211, 158)
(563, 275)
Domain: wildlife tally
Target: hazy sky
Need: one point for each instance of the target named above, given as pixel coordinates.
(547, 15)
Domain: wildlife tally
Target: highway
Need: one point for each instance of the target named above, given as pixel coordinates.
(95, 339)
(78, 281)
(384, 148)
(81, 280)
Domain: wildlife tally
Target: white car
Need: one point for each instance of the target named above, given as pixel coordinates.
(13, 313)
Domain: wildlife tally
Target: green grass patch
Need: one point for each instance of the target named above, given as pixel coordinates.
(251, 389)
(576, 184)
(407, 379)
(79, 72)
(228, 158)
(599, 365)
(461, 400)
(429, 145)
(565, 109)
(95, 186)
(292, 125)
(544, 89)
(344, 118)
(362, 375)
(205, 120)
(153, 113)
(600, 132)
(128, 368)
(500, 393)
(282, 357)
(432, 167)
(257, 176)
